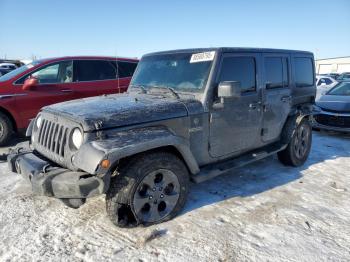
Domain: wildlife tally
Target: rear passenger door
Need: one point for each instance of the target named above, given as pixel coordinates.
(277, 94)
(97, 77)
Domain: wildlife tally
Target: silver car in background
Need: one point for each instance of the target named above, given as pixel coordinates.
(324, 84)
(332, 110)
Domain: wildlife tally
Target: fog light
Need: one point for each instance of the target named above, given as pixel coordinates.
(105, 163)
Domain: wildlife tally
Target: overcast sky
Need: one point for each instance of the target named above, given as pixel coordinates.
(44, 28)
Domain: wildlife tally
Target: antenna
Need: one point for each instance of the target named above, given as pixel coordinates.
(117, 64)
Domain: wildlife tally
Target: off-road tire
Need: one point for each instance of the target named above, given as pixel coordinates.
(124, 186)
(289, 156)
(6, 129)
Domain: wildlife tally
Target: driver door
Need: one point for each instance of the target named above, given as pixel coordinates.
(236, 126)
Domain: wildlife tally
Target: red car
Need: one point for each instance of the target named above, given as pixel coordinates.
(43, 82)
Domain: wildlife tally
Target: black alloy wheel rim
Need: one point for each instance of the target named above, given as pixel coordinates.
(156, 196)
(301, 141)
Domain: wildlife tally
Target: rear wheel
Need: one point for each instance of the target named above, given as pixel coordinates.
(6, 129)
(299, 146)
(150, 189)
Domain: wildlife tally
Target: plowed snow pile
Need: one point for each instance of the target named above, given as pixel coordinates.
(262, 212)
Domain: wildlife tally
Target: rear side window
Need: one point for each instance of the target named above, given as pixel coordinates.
(304, 75)
(126, 69)
(328, 81)
(321, 81)
(240, 69)
(94, 70)
(325, 81)
(276, 72)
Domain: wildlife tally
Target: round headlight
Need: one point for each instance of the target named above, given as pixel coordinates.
(38, 122)
(77, 138)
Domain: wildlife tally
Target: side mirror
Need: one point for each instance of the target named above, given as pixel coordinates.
(30, 83)
(229, 89)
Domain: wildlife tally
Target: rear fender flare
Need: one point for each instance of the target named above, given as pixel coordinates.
(292, 122)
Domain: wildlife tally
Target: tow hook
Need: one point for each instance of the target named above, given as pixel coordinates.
(44, 170)
(18, 169)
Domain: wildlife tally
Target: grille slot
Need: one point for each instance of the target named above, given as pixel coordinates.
(332, 120)
(53, 137)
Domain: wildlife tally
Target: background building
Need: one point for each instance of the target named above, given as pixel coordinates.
(333, 65)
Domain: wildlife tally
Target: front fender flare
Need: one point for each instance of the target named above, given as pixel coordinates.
(130, 142)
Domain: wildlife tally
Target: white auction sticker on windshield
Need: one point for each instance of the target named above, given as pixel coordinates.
(202, 57)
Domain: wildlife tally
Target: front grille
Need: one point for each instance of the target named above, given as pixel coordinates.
(53, 137)
(333, 120)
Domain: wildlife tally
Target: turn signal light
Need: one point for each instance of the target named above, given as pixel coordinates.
(105, 163)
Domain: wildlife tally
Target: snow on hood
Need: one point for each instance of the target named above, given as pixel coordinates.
(123, 109)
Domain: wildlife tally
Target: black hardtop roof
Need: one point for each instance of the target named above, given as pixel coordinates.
(230, 49)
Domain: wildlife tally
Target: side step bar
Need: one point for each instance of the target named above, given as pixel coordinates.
(217, 169)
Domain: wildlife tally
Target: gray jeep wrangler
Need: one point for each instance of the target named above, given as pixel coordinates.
(189, 114)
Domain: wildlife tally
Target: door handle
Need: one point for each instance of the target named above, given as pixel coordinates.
(67, 90)
(286, 98)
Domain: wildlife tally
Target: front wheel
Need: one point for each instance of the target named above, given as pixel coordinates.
(6, 129)
(149, 189)
(299, 146)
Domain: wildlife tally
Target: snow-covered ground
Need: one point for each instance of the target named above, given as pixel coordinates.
(263, 212)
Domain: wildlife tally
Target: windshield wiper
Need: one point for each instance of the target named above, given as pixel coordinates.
(143, 88)
(173, 92)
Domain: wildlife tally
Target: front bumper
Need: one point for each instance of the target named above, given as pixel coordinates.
(50, 180)
(339, 122)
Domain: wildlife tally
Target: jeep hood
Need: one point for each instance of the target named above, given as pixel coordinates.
(334, 103)
(119, 110)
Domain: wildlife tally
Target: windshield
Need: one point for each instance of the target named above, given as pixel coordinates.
(344, 76)
(341, 89)
(181, 72)
(18, 71)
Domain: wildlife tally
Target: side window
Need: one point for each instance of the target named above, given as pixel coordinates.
(304, 75)
(61, 72)
(93, 70)
(48, 74)
(328, 81)
(126, 69)
(240, 69)
(321, 81)
(276, 72)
